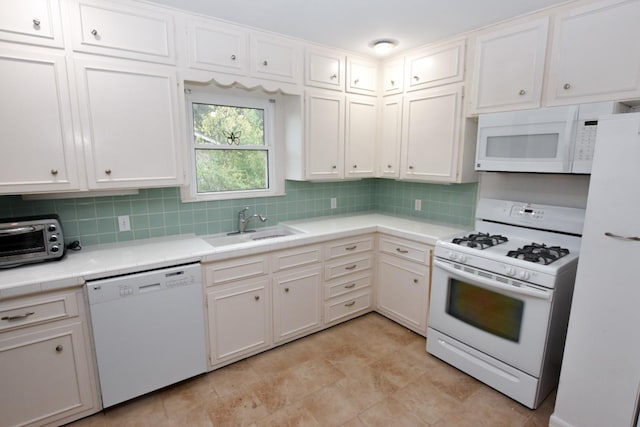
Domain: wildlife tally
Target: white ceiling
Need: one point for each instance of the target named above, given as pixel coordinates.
(353, 24)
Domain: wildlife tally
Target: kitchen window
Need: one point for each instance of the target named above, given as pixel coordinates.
(233, 150)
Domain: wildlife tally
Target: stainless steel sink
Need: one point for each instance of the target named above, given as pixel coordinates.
(278, 231)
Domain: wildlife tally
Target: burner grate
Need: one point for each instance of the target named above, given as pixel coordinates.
(480, 240)
(539, 253)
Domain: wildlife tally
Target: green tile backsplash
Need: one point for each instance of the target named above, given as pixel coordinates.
(159, 212)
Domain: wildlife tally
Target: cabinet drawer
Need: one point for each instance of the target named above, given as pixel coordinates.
(348, 284)
(346, 266)
(31, 21)
(235, 269)
(347, 247)
(297, 257)
(124, 31)
(405, 249)
(30, 311)
(347, 305)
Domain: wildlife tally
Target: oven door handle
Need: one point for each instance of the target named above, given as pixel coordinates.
(530, 292)
(20, 230)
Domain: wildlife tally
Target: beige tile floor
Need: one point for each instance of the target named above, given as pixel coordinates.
(366, 372)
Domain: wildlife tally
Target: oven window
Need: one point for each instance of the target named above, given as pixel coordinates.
(490, 311)
(24, 243)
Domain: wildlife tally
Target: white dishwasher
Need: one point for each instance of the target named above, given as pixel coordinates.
(148, 330)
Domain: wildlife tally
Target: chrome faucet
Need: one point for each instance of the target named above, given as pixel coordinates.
(243, 220)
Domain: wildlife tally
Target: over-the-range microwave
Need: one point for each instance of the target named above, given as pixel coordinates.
(547, 140)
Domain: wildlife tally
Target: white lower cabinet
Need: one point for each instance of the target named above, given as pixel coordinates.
(403, 282)
(48, 371)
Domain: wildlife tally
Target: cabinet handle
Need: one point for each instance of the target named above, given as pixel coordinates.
(350, 304)
(286, 290)
(566, 86)
(265, 63)
(333, 76)
(416, 78)
(351, 267)
(233, 57)
(350, 248)
(257, 298)
(107, 171)
(522, 92)
(617, 236)
(94, 32)
(59, 348)
(402, 251)
(36, 22)
(18, 316)
(54, 171)
(351, 286)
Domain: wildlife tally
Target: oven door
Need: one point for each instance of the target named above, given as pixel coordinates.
(491, 314)
(22, 243)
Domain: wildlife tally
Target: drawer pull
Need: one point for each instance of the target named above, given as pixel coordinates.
(350, 248)
(18, 316)
(350, 304)
(402, 251)
(351, 267)
(353, 285)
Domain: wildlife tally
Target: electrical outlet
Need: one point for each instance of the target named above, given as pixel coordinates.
(123, 223)
(418, 205)
(334, 202)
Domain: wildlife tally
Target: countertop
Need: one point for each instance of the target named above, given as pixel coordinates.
(100, 261)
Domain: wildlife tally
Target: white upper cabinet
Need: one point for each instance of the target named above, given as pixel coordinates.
(509, 67)
(393, 77)
(120, 29)
(31, 21)
(435, 66)
(129, 115)
(360, 138)
(217, 47)
(38, 148)
(324, 68)
(275, 58)
(362, 76)
(324, 135)
(596, 54)
(388, 159)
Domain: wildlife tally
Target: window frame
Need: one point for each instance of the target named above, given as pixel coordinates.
(271, 105)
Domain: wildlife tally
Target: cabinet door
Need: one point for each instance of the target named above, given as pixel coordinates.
(38, 148)
(239, 316)
(297, 303)
(45, 375)
(393, 77)
(324, 68)
(130, 127)
(509, 67)
(275, 58)
(390, 138)
(362, 76)
(324, 135)
(217, 47)
(31, 21)
(360, 139)
(596, 54)
(136, 32)
(436, 66)
(403, 292)
(431, 134)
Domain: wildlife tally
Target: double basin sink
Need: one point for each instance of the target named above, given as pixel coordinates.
(268, 233)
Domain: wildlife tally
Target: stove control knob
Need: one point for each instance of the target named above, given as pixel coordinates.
(451, 255)
(462, 258)
(524, 275)
(510, 271)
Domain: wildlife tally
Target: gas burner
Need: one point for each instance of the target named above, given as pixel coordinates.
(539, 253)
(480, 240)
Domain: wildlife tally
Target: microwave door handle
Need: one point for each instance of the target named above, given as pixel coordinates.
(20, 230)
(493, 284)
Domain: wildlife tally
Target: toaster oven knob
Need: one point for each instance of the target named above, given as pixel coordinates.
(53, 238)
(55, 248)
(52, 228)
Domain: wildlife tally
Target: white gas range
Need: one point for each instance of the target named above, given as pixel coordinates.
(501, 296)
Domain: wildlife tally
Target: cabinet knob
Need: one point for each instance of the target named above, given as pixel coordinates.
(59, 348)
(265, 63)
(107, 171)
(94, 32)
(522, 92)
(333, 76)
(416, 78)
(286, 290)
(334, 167)
(355, 166)
(233, 57)
(388, 166)
(567, 86)
(415, 281)
(393, 82)
(356, 81)
(410, 167)
(36, 22)
(54, 171)
(257, 298)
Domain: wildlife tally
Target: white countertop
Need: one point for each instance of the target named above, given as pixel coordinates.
(100, 261)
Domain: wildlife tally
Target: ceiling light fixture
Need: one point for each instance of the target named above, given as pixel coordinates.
(382, 47)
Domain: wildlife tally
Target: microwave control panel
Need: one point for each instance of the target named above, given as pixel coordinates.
(585, 145)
